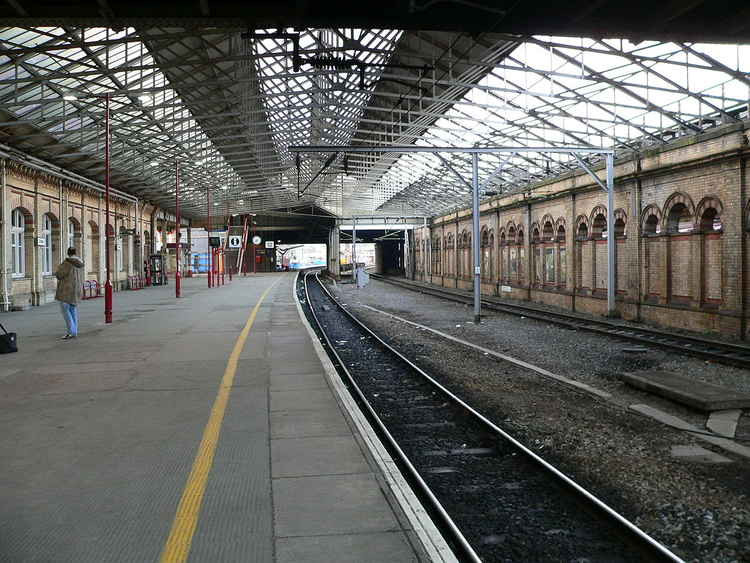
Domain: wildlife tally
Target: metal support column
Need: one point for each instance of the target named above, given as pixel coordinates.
(475, 237)
(354, 247)
(611, 242)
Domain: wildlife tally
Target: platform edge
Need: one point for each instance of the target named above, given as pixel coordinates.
(425, 533)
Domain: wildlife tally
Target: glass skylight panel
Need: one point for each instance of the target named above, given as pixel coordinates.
(577, 106)
(135, 124)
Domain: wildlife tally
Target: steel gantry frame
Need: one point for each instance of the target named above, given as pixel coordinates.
(474, 153)
(228, 107)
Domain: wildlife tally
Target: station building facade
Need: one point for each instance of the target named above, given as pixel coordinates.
(682, 228)
(44, 211)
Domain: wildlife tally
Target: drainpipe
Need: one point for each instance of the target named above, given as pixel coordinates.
(4, 240)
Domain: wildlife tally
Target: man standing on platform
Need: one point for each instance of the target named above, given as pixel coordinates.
(69, 276)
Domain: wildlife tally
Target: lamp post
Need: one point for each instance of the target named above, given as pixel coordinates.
(108, 298)
(210, 248)
(177, 276)
(108, 282)
(254, 251)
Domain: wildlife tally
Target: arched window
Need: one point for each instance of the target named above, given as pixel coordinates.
(71, 242)
(599, 226)
(436, 256)
(710, 221)
(92, 249)
(679, 219)
(562, 268)
(536, 255)
(583, 232)
(120, 242)
(73, 238)
(47, 251)
(712, 252)
(17, 243)
(548, 232)
(487, 242)
(449, 246)
(651, 225)
(147, 243)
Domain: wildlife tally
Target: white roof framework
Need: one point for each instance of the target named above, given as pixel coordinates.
(227, 105)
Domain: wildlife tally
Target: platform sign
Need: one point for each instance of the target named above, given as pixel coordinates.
(269, 244)
(235, 241)
(257, 240)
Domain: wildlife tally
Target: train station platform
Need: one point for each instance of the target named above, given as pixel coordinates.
(203, 428)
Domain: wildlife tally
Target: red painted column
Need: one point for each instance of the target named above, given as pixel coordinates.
(210, 248)
(254, 258)
(108, 283)
(177, 289)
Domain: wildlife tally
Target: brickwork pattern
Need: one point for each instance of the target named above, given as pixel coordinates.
(682, 257)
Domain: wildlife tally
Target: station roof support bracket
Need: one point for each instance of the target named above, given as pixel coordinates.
(590, 172)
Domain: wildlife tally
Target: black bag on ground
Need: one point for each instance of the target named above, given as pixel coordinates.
(8, 342)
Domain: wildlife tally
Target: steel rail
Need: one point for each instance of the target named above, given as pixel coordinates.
(458, 537)
(559, 475)
(728, 353)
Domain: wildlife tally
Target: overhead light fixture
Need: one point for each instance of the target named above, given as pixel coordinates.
(70, 97)
(153, 163)
(240, 201)
(225, 188)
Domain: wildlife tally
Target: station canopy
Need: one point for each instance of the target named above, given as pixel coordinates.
(224, 104)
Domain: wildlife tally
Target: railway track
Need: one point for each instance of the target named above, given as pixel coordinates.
(495, 499)
(714, 350)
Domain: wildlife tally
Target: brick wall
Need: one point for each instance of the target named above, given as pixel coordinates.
(682, 259)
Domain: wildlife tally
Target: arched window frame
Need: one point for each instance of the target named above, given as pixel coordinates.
(685, 211)
(651, 223)
(120, 253)
(621, 224)
(561, 258)
(47, 226)
(71, 233)
(713, 206)
(18, 244)
(598, 221)
(582, 228)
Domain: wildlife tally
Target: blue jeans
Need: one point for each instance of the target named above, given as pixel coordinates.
(70, 313)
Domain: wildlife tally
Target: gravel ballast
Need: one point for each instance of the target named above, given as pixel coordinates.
(699, 510)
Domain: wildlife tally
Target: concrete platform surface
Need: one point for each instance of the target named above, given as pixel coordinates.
(688, 391)
(168, 436)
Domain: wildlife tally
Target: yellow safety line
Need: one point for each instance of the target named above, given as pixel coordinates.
(177, 548)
